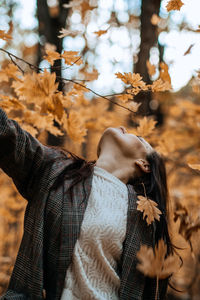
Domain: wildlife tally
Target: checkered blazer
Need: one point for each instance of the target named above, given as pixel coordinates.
(53, 219)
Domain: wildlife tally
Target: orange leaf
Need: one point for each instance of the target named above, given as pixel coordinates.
(151, 68)
(164, 74)
(5, 36)
(194, 166)
(71, 57)
(174, 5)
(146, 126)
(149, 209)
(51, 56)
(100, 32)
(160, 86)
(154, 263)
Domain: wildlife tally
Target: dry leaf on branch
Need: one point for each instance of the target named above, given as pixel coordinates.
(5, 36)
(72, 57)
(154, 263)
(149, 209)
(174, 5)
(51, 56)
(160, 86)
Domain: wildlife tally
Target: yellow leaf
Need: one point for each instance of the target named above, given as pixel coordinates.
(164, 74)
(149, 209)
(174, 5)
(101, 32)
(194, 166)
(5, 36)
(151, 68)
(146, 126)
(160, 86)
(125, 97)
(75, 127)
(72, 57)
(66, 32)
(51, 56)
(132, 78)
(154, 263)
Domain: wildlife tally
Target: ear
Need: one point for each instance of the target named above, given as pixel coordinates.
(143, 165)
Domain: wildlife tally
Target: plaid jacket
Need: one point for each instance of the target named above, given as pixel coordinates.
(52, 222)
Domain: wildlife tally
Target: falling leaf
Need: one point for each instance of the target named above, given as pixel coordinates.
(154, 263)
(146, 126)
(174, 5)
(149, 209)
(194, 166)
(188, 51)
(65, 32)
(72, 57)
(100, 32)
(151, 68)
(5, 36)
(51, 56)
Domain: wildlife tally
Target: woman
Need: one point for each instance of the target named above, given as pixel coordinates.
(82, 229)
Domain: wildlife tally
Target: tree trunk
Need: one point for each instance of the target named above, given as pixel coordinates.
(49, 27)
(148, 40)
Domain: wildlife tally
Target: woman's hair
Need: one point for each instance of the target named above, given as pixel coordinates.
(153, 185)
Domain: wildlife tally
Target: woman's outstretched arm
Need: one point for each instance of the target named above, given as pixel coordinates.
(21, 155)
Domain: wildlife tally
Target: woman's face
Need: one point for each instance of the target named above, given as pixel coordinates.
(119, 141)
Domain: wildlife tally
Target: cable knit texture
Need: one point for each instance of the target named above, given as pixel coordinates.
(92, 275)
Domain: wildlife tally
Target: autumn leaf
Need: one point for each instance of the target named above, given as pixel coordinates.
(151, 68)
(154, 263)
(75, 127)
(125, 97)
(174, 5)
(66, 32)
(11, 71)
(194, 166)
(164, 74)
(146, 126)
(100, 32)
(51, 56)
(5, 36)
(149, 209)
(160, 86)
(72, 57)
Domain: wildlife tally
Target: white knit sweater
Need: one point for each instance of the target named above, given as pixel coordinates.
(92, 274)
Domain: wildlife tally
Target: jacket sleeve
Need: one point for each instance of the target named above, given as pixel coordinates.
(21, 155)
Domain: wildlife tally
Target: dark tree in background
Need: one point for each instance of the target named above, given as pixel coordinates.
(51, 20)
(149, 39)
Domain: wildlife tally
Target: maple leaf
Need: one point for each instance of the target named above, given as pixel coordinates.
(149, 209)
(174, 5)
(154, 263)
(160, 86)
(132, 105)
(11, 71)
(71, 57)
(132, 78)
(151, 68)
(194, 166)
(5, 36)
(100, 32)
(125, 97)
(146, 126)
(51, 56)
(74, 127)
(10, 102)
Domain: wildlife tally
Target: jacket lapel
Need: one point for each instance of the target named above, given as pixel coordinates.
(74, 206)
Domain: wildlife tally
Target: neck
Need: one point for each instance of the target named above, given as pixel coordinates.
(121, 168)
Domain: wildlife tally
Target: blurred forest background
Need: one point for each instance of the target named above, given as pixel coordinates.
(74, 68)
